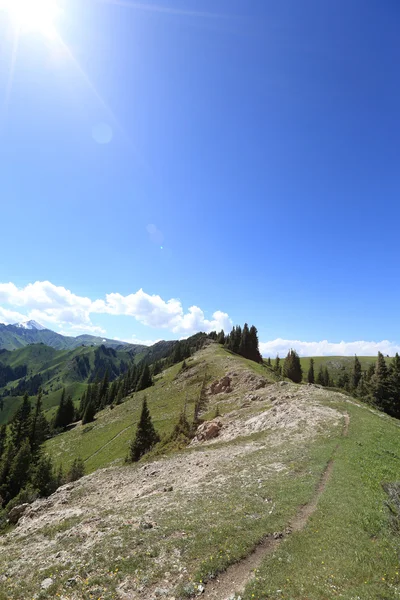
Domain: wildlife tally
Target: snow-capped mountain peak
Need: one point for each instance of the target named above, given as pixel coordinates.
(30, 325)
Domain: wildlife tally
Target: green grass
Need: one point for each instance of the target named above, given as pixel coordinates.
(106, 440)
(348, 549)
(57, 370)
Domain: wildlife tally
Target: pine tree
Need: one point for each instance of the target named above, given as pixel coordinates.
(269, 362)
(65, 413)
(321, 376)
(221, 337)
(39, 425)
(43, 478)
(146, 436)
(145, 380)
(380, 383)
(327, 379)
(59, 419)
(20, 469)
(394, 382)
(245, 342)
(356, 374)
(277, 367)
(103, 391)
(90, 412)
(310, 374)
(292, 367)
(21, 423)
(254, 352)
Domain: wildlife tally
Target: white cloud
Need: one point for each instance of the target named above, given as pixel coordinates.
(59, 307)
(9, 316)
(155, 312)
(135, 340)
(325, 348)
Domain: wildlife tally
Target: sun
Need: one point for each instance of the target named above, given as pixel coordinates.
(33, 15)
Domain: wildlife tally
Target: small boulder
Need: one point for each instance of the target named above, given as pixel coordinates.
(222, 385)
(16, 513)
(46, 583)
(209, 430)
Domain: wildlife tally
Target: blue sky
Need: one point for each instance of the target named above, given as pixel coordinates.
(249, 169)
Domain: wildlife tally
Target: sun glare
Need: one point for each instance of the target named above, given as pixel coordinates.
(33, 15)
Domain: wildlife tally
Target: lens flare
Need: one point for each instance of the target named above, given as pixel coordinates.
(33, 15)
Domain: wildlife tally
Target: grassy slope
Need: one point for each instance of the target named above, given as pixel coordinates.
(348, 549)
(166, 399)
(56, 368)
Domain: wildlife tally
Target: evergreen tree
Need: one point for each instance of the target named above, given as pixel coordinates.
(103, 391)
(43, 478)
(321, 376)
(310, 374)
(254, 352)
(90, 412)
(269, 362)
(370, 372)
(145, 380)
(327, 379)
(39, 425)
(245, 342)
(292, 367)
(20, 469)
(394, 382)
(356, 374)
(146, 436)
(59, 419)
(21, 423)
(221, 337)
(69, 411)
(277, 367)
(65, 413)
(380, 383)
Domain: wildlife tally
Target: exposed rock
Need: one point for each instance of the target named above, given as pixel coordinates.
(209, 430)
(221, 386)
(16, 513)
(46, 583)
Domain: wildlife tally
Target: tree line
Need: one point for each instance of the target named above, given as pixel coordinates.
(26, 471)
(242, 341)
(378, 385)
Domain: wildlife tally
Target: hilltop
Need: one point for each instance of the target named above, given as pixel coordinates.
(290, 499)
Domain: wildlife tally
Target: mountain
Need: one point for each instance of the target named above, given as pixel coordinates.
(296, 497)
(39, 366)
(19, 335)
(30, 325)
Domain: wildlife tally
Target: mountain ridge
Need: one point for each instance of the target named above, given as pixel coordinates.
(19, 335)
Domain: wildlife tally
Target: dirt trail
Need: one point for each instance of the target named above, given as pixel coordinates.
(235, 578)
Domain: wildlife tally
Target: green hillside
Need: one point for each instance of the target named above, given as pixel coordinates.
(105, 441)
(295, 498)
(337, 364)
(57, 369)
